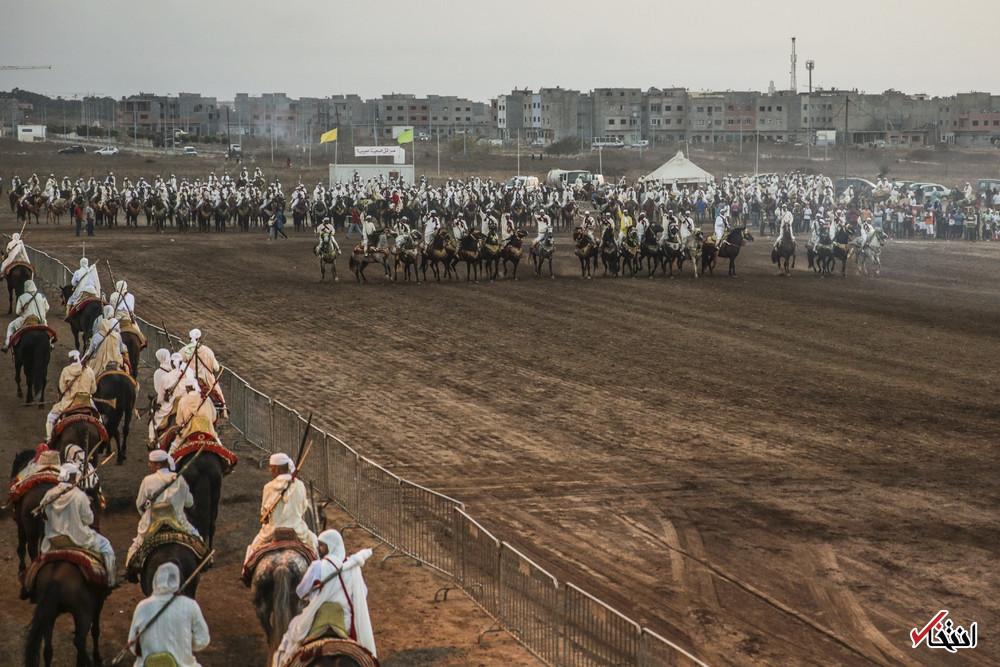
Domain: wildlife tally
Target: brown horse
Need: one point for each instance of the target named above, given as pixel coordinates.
(28, 207)
(784, 250)
(299, 214)
(109, 212)
(17, 274)
(132, 210)
(441, 250)
(205, 212)
(568, 214)
(730, 249)
(469, 251)
(55, 210)
(586, 250)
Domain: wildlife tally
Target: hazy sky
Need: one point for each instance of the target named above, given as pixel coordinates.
(309, 48)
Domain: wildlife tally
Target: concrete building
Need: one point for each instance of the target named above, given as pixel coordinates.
(617, 113)
(664, 115)
(187, 112)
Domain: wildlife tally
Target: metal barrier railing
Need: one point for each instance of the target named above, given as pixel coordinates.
(561, 626)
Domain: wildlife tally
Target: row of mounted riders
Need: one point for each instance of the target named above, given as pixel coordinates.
(68, 579)
(485, 254)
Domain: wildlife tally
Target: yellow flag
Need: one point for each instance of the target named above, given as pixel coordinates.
(405, 137)
(328, 136)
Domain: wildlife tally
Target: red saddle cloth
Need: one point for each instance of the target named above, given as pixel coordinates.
(91, 566)
(85, 414)
(212, 446)
(33, 327)
(327, 646)
(13, 264)
(287, 541)
(46, 475)
(77, 307)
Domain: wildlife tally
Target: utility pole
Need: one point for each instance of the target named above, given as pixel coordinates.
(809, 66)
(847, 134)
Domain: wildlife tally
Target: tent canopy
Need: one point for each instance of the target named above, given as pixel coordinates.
(679, 169)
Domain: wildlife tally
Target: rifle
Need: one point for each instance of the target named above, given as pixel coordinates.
(303, 453)
(194, 354)
(180, 591)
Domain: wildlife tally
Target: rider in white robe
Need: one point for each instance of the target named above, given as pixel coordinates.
(32, 302)
(179, 631)
(15, 252)
(160, 487)
(85, 281)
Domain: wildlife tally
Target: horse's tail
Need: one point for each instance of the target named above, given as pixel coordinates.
(284, 589)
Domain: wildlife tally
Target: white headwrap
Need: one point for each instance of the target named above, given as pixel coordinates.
(109, 312)
(74, 355)
(16, 236)
(84, 263)
(282, 459)
(167, 580)
(176, 359)
(195, 335)
(29, 287)
(67, 470)
(160, 456)
(121, 287)
(163, 356)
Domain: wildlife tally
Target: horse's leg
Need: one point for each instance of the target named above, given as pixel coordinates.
(17, 375)
(95, 631)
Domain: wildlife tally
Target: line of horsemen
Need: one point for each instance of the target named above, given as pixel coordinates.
(55, 492)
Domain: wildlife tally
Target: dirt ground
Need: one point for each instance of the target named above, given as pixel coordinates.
(764, 470)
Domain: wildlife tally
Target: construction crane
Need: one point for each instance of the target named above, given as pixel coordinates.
(5, 67)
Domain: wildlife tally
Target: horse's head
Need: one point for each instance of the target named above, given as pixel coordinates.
(66, 291)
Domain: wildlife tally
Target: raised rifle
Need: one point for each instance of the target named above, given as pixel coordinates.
(303, 453)
(81, 478)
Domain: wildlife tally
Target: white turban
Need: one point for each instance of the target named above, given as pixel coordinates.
(30, 287)
(282, 459)
(176, 359)
(163, 356)
(161, 456)
(167, 580)
(195, 335)
(67, 470)
(84, 263)
(334, 545)
(109, 312)
(16, 236)
(74, 355)
(121, 286)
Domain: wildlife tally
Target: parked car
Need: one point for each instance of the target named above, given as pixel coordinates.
(984, 185)
(929, 189)
(107, 150)
(529, 182)
(72, 149)
(860, 185)
(642, 143)
(189, 150)
(423, 136)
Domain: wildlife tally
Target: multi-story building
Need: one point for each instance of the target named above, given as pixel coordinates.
(664, 115)
(187, 112)
(705, 117)
(617, 113)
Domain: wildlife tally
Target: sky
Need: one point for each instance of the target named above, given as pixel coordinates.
(478, 50)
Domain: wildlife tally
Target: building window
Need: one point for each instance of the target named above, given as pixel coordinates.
(761, 109)
(611, 121)
(680, 107)
(730, 107)
(975, 123)
(667, 108)
(666, 121)
(700, 109)
(779, 108)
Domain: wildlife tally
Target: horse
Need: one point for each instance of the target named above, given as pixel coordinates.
(243, 210)
(327, 251)
(650, 249)
(408, 255)
(468, 251)
(377, 255)
(512, 251)
(222, 213)
(173, 548)
(275, 578)
(672, 249)
(132, 209)
(108, 212)
(629, 252)
(440, 251)
(61, 587)
(30, 528)
(29, 206)
(871, 253)
(610, 256)
(842, 247)
(586, 251)
(692, 240)
(784, 249)
(183, 214)
(734, 239)
(81, 321)
(568, 216)
(55, 210)
(542, 251)
(17, 274)
(299, 214)
(120, 387)
(32, 351)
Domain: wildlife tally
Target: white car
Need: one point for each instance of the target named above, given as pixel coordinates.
(189, 150)
(107, 150)
(642, 143)
(929, 189)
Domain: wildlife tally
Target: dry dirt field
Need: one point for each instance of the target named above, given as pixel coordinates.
(764, 470)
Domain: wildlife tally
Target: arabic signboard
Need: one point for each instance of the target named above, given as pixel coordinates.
(376, 151)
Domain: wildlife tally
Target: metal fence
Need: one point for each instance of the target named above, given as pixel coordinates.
(560, 624)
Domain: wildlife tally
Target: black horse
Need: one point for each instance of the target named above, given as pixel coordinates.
(16, 276)
(729, 248)
(32, 352)
(133, 344)
(82, 321)
(30, 528)
(61, 587)
(649, 248)
(610, 257)
(841, 248)
(178, 553)
(117, 386)
(204, 478)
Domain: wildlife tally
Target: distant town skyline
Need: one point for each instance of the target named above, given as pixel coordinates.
(306, 48)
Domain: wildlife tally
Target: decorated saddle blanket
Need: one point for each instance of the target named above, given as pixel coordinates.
(46, 475)
(126, 325)
(81, 304)
(91, 564)
(122, 373)
(33, 327)
(65, 420)
(285, 539)
(211, 446)
(8, 268)
(309, 652)
(168, 534)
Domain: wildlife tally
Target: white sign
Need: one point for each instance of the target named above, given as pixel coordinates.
(376, 151)
(399, 129)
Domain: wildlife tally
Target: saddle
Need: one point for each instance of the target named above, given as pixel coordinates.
(10, 266)
(32, 323)
(84, 414)
(85, 299)
(284, 538)
(44, 475)
(211, 445)
(328, 622)
(90, 563)
(115, 371)
(128, 326)
(163, 529)
(309, 652)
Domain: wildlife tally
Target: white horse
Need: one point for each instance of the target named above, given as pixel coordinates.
(691, 238)
(871, 252)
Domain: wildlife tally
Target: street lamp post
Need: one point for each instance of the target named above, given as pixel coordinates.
(809, 66)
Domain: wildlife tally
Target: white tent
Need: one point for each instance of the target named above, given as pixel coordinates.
(679, 169)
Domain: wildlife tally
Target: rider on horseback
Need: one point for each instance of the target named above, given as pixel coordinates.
(206, 366)
(180, 629)
(283, 504)
(106, 346)
(75, 379)
(30, 304)
(331, 580)
(85, 282)
(68, 513)
(194, 414)
(544, 227)
(15, 252)
(161, 486)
